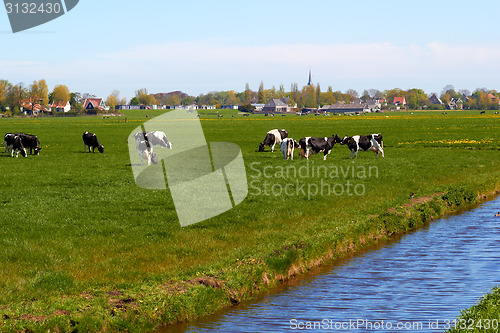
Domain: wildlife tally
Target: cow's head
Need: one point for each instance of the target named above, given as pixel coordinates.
(345, 140)
(262, 146)
(37, 150)
(100, 148)
(23, 152)
(154, 158)
(336, 138)
(295, 144)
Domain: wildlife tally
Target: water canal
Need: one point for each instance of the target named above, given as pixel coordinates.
(417, 283)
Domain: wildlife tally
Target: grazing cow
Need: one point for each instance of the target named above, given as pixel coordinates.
(287, 147)
(273, 137)
(14, 144)
(317, 145)
(482, 112)
(365, 143)
(8, 142)
(159, 139)
(155, 138)
(31, 142)
(145, 151)
(90, 140)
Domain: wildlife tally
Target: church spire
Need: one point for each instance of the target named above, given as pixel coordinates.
(310, 83)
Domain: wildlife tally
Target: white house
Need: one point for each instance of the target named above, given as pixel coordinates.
(61, 106)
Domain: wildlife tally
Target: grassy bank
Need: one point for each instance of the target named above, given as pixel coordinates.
(82, 247)
(482, 317)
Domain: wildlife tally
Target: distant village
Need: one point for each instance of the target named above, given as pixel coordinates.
(36, 100)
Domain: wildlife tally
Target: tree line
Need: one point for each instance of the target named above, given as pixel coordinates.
(14, 96)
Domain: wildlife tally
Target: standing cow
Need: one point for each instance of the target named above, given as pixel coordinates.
(31, 141)
(155, 138)
(273, 137)
(365, 143)
(90, 140)
(145, 151)
(14, 144)
(287, 147)
(317, 145)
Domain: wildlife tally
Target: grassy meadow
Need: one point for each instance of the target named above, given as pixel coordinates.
(82, 247)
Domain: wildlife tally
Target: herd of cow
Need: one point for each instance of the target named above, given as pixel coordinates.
(16, 143)
(313, 145)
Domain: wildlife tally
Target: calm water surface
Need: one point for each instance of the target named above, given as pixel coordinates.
(423, 279)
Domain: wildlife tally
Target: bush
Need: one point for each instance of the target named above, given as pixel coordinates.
(93, 111)
(459, 195)
(246, 108)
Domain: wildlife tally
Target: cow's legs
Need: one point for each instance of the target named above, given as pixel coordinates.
(326, 154)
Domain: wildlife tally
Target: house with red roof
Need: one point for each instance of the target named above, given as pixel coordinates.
(399, 101)
(94, 103)
(61, 106)
(31, 106)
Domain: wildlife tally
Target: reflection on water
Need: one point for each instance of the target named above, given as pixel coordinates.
(423, 279)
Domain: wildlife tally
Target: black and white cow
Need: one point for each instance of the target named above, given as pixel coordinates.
(273, 137)
(365, 143)
(90, 140)
(145, 151)
(159, 139)
(31, 141)
(14, 144)
(317, 145)
(287, 147)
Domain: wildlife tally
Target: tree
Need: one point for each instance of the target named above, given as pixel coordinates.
(447, 89)
(416, 98)
(16, 94)
(374, 93)
(144, 97)
(187, 100)
(261, 94)
(173, 100)
(114, 99)
(366, 95)
(281, 92)
(246, 107)
(318, 94)
(390, 94)
(309, 95)
(135, 101)
(353, 93)
(4, 89)
(74, 99)
(248, 93)
(111, 101)
(39, 93)
(61, 93)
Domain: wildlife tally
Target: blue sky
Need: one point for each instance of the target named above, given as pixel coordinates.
(203, 46)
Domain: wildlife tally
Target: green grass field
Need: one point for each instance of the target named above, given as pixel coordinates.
(81, 246)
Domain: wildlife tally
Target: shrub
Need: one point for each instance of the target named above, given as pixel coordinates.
(246, 108)
(459, 195)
